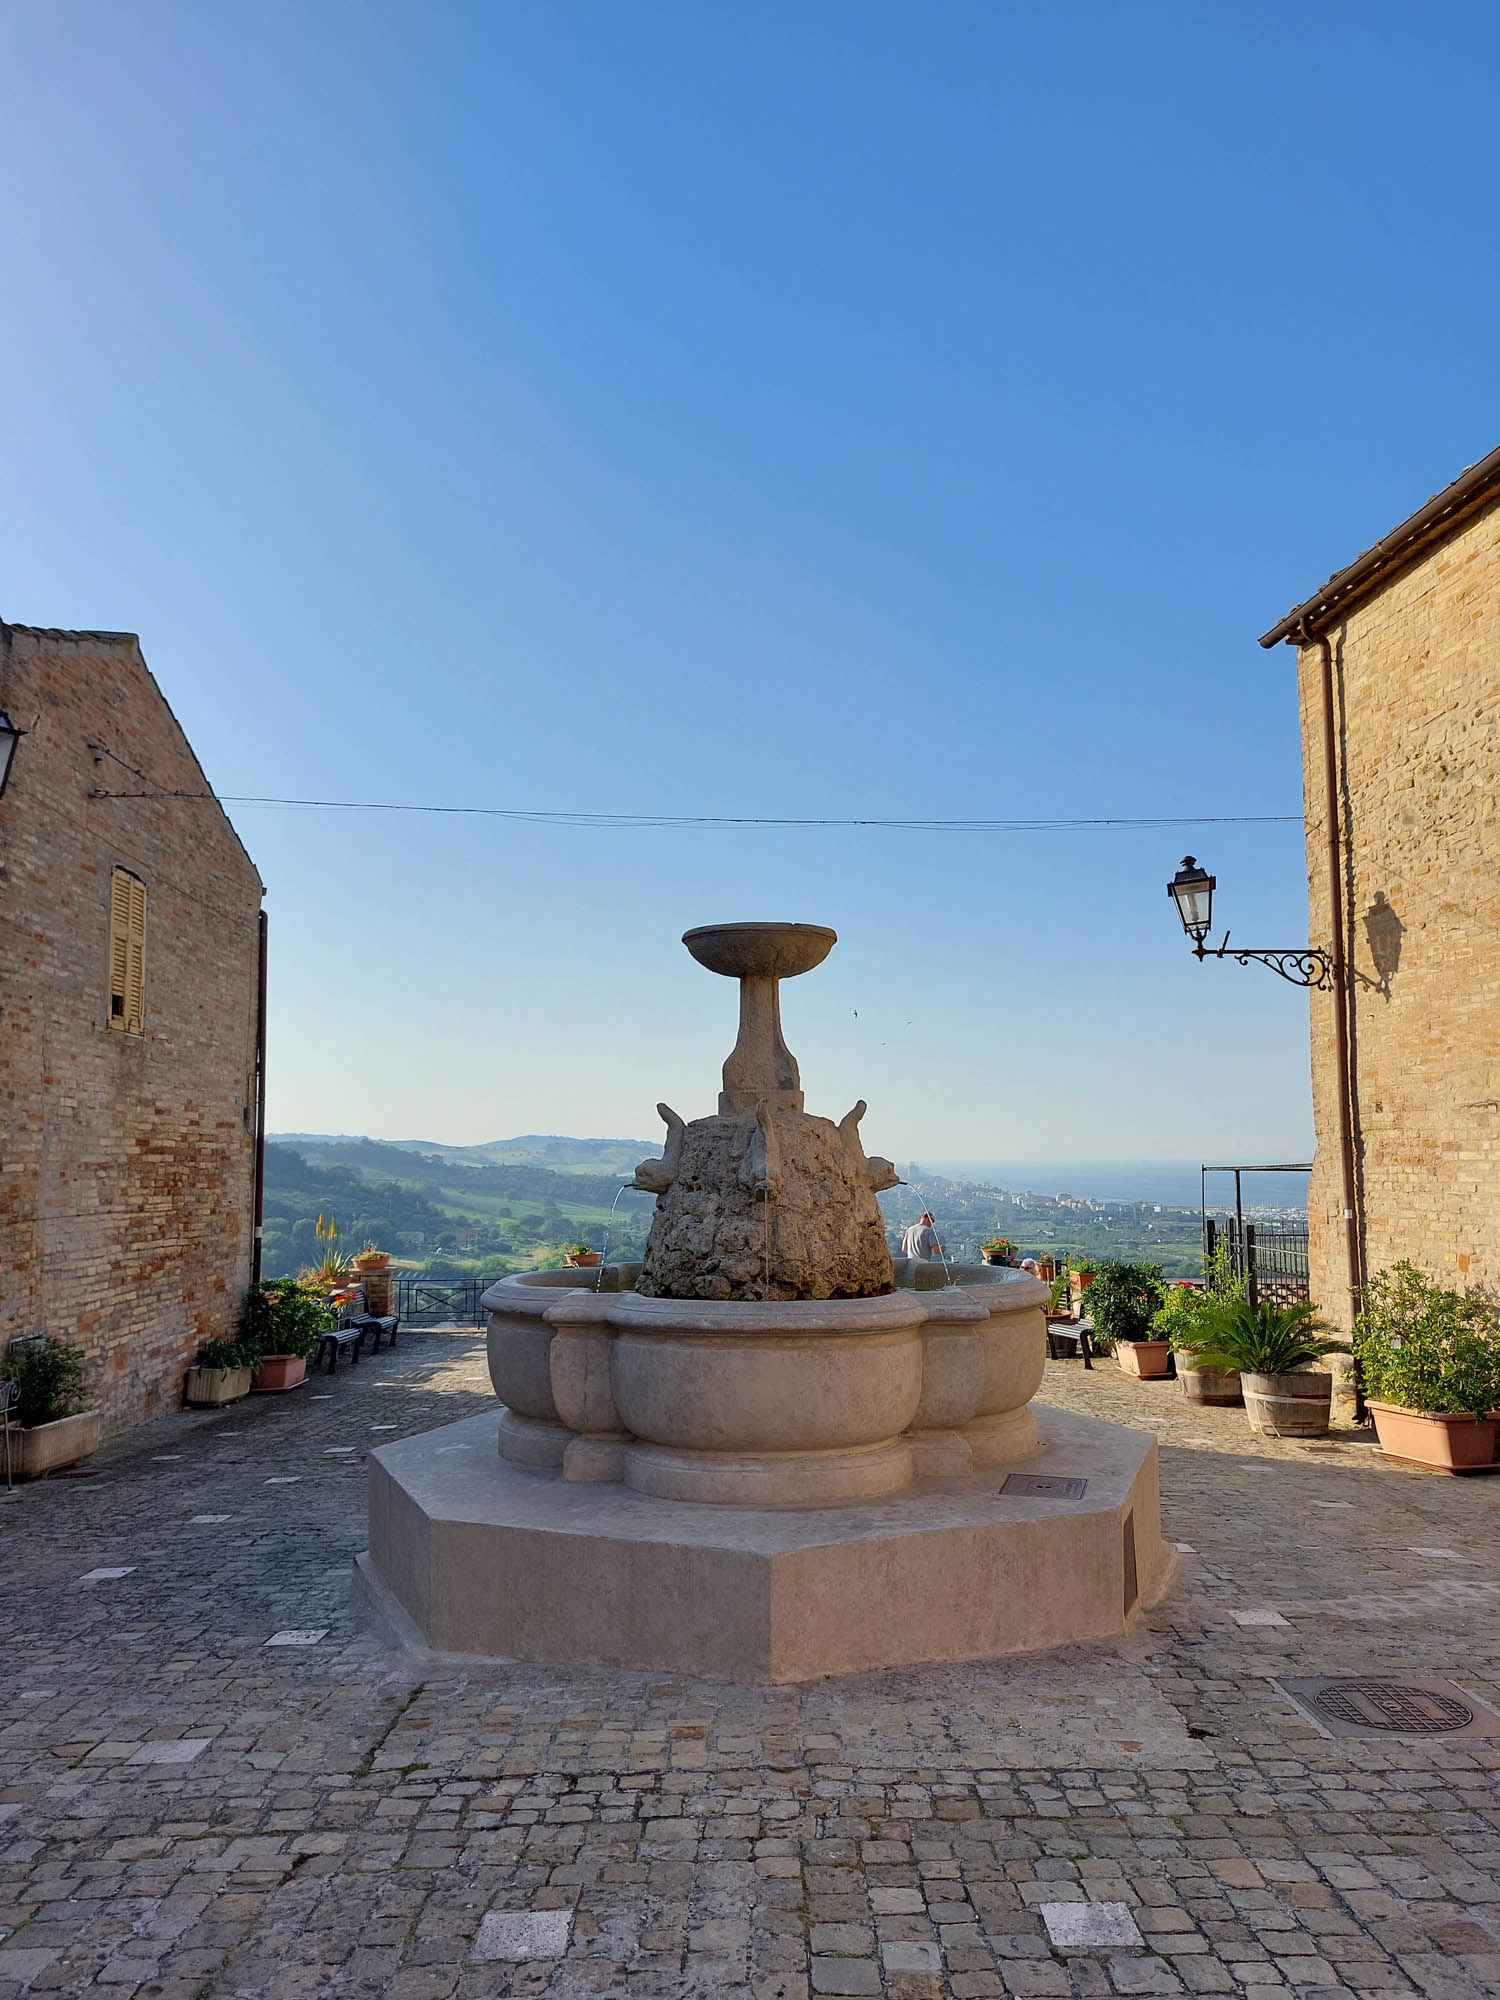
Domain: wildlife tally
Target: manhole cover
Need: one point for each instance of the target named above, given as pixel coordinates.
(1036, 1486)
(1365, 1706)
(1406, 1711)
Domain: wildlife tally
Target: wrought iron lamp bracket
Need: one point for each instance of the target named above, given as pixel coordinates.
(1308, 966)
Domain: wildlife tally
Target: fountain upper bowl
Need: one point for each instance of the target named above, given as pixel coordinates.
(760, 951)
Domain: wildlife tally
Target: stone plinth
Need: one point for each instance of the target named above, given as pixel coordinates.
(473, 1554)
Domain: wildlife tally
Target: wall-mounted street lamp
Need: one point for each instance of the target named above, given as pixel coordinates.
(1192, 890)
(10, 736)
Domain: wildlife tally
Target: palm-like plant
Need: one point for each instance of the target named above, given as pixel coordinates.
(1261, 1340)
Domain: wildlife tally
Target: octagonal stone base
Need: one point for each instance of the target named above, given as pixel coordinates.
(473, 1554)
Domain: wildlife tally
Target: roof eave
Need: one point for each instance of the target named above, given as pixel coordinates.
(1429, 524)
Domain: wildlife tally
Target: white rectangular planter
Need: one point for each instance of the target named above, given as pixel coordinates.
(48, 1446)
(211, 1388)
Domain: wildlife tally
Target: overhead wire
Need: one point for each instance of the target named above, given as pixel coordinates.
(727, 822)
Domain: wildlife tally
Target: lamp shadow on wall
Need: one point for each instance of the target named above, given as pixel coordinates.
(1384, 930)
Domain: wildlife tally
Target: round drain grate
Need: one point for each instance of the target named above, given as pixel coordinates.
(1405, 1711)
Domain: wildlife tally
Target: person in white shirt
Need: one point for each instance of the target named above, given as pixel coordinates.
(920, 1240)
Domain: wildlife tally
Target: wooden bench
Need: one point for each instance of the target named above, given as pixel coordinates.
(341, 1340)
(376, 1326)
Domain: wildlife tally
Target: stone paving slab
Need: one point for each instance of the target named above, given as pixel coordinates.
(189, 1810)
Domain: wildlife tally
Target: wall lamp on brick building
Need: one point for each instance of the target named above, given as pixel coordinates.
(1192, 890)
(10, 736)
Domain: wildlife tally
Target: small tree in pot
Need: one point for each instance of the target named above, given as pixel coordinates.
(56, 1429)
(1123, 1300)
(1431, 1361)
(1274, 1348)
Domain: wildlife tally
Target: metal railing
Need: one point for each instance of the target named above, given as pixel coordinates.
(1270, 1256)
(436, 1301)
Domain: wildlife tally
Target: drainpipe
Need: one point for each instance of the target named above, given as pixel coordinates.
(259, 1211)
(1341, 982)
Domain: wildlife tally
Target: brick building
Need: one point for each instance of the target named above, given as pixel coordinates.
(1399, 688)
(129, 939)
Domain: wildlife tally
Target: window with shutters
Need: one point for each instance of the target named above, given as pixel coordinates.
(127, 951)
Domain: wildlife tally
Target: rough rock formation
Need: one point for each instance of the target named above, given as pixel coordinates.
(773, 1205)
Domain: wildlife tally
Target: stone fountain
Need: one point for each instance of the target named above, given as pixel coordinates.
(769, 1450)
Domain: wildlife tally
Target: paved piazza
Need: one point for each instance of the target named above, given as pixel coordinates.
(218, 1779)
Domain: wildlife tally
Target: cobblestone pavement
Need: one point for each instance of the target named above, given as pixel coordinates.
(189, 1808)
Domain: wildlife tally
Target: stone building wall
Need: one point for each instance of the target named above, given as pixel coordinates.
(126, 1160)
(1417, 666)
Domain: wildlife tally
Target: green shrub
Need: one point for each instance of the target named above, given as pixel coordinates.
(50, 1376)
(1179, 1317)
(1261, 1340)
(283, 1316)
(1425, 1347)
(224, 1354)
(1123, 1298)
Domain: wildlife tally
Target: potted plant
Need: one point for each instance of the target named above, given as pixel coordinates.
(1122, 1300)
(371, 1259)
(1178, 1321)
(56, 1429)
(998, 1250)
(1274, 1348)
(284, 1320)
(221, 1374)
(1431, 1362)
(580, 1253)
(1081, 1273)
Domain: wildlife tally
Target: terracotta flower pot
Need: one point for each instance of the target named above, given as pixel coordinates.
(1149, 1359)
(1218, 1388)
(375, 1261)
(587, 1260)
(1080, 1280)
(1446, 1443)
(275, 1372)
(47, 1447)
(1295, 1405)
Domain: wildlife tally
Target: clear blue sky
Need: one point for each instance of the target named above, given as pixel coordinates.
(865, 409)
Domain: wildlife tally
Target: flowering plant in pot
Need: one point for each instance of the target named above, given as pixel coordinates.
(283, 1321)
(221, 1374)
(1179, 1321)
(1274, 1348)
(1431, 1362)
(1122, 1302)
(997, 1250)
(580, 1253)
(371, 1259)
(56, 1428)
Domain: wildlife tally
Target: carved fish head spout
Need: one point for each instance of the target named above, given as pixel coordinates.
(875, 1172)
(656, 1176)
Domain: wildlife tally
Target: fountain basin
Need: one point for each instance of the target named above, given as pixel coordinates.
(795, 1403)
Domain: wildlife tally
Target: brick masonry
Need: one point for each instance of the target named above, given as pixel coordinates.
(125, 1160)
(1416, 665)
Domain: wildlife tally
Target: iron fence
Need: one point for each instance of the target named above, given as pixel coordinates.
(437, 1301)
(1271, 1257)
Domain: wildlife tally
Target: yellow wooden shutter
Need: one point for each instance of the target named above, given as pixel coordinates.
(127, 952)
(119, 945)
(135, 969)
